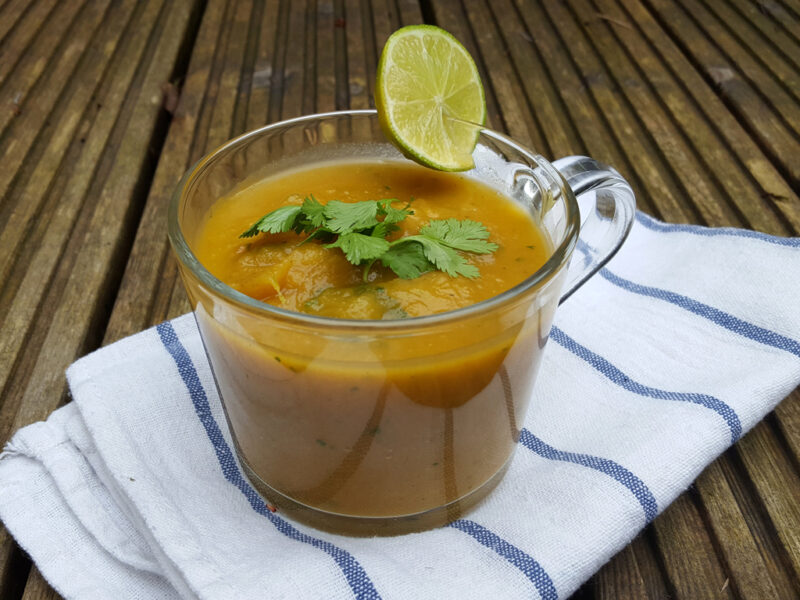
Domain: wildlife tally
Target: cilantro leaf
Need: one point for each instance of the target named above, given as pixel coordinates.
(344, 217)
(408, 261)
(445, 258)
(358, 247)
(466, 235)
(392, 215)
(279, 220)
(383, 229)
(314, 211)
(360, 229)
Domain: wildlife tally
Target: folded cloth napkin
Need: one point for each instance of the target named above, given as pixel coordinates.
(658, 364)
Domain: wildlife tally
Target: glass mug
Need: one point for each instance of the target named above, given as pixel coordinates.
(383, 427)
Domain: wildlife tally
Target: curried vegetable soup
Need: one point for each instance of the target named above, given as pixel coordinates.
(277, 269)
(372, 423)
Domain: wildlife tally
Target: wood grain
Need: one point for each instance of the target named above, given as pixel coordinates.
(521, 120)
(48, 203)
(632, 573)
(150, 274)
(104, 105)
(732, 81)
(16, 37)
(36, 588)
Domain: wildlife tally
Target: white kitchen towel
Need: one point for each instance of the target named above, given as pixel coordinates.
(664, 359)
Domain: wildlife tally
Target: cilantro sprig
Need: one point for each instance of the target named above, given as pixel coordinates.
(360, 229)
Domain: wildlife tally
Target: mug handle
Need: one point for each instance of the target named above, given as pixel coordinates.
(608, 207)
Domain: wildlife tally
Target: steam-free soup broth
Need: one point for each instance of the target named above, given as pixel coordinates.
(372, 425)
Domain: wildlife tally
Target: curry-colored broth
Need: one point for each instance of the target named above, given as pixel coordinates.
(372, 425)
(277, 269)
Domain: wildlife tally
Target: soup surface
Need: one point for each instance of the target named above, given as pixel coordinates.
(278, 269)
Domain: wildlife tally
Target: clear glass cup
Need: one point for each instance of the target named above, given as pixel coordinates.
(382, 427)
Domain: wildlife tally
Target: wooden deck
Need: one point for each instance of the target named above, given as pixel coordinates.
(105, 104)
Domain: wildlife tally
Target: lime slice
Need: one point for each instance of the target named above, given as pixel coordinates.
(429, 97)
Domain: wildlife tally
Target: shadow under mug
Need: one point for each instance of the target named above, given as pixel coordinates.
(384, 427)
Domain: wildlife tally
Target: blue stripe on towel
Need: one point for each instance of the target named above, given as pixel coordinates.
(604, 465)
(659, 226)
(721, 318)
(586, 250)
(621, 379)
(353, 572)
(524, 562)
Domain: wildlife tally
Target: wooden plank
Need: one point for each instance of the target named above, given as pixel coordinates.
(34, 98)
(560, 136)
(326, 58)
(696, 154)
(751, 161)
(19, 39)
(785, 19)
(172, 300)
(259, 97)
(69, 164)
(10, 13)
(88, 271)
(14, 566)
(538, 36)
(744, 538)
(244, 89)
(646, 163)
(140, 301)
(356, 31)
(792, 6)
(595, 137)
(309, 94)
(678, 157)
(759, 118)
(34, 274)
(771, 32)
(342, 93)
(520, 119)
(294, 67)
(223, 117)
(748, 156)
(278, 74)
(30, 200)
(157, 283)
(206, 109)
(777, 82)
(690, 561)
(388, 16)
(371, 51)
(787, 421)
(593, 72)
(37, 588)
(410, 12)
(632, 573)
(778, 487)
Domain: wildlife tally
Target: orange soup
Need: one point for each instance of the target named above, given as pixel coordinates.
(278, 269)
(380, 420)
